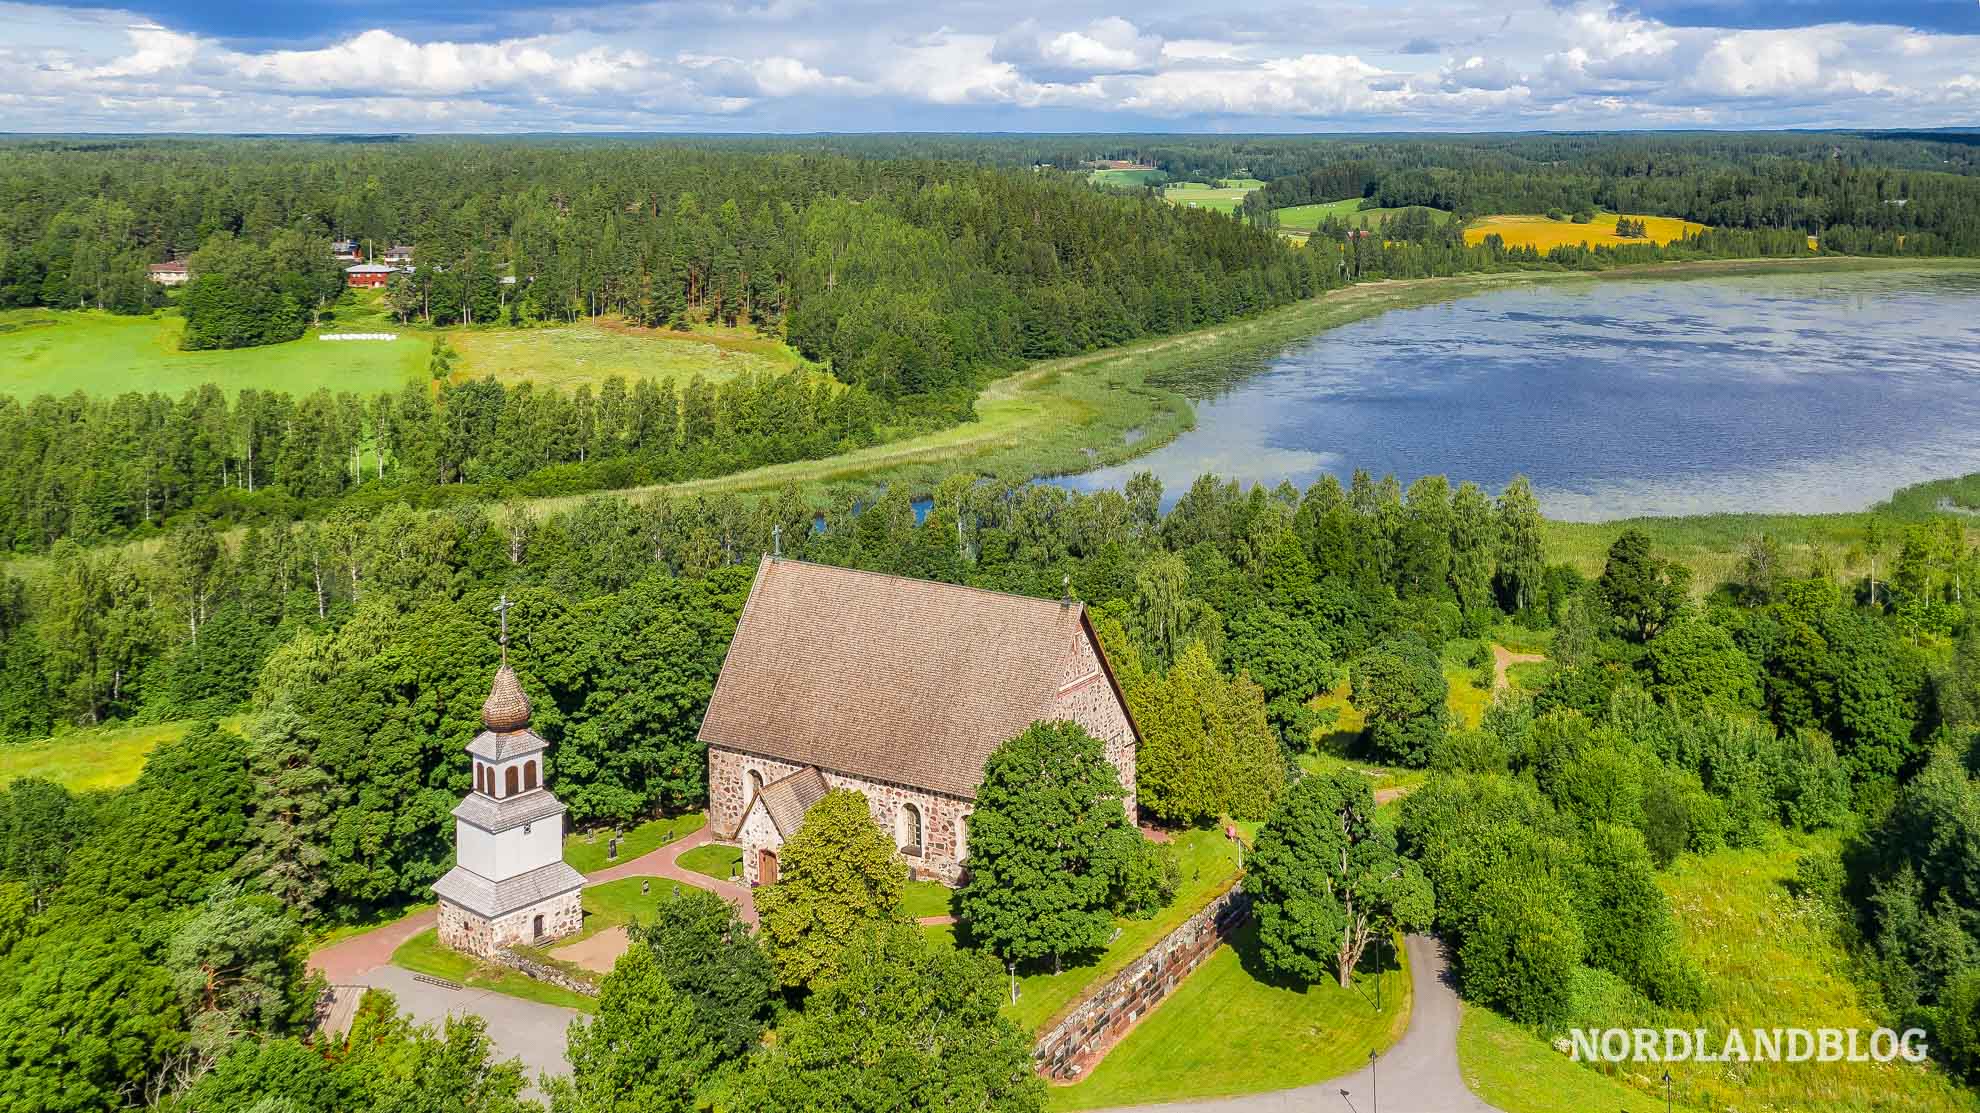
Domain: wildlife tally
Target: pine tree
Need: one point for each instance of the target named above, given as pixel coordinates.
(291, 814)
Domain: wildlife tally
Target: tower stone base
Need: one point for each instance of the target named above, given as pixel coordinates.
(476, 934)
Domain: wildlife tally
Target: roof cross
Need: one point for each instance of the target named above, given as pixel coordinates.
(502, 611)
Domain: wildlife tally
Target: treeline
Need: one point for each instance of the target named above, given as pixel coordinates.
(907, 276)
(1853, 209)
(93, 469)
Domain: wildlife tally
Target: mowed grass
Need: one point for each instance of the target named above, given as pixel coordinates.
(617, 903)
(1544, 234)
(926, 898)
(1771, 958)
(1224, 1031)
(1308, 218)
(58, 352)
(586, 852)
(589, 352)
(711, 860)
(423, 954)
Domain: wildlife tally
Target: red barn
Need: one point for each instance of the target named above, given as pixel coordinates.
(368, 274)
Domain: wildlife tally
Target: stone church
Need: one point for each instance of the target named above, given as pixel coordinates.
(511, 884)
(896, 687)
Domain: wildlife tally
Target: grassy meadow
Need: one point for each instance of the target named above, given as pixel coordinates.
(589, 352)
(1224, 1031)
(1771, 958)
(45, 351)
(1127, 179)
(1544, 234)
(1225, 198)
(108, 757)
(1305, 219)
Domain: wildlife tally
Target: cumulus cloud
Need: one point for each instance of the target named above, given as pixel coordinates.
(788, 64)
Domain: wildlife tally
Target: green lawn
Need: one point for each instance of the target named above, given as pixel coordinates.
(926, 898)
(45, 351)
(423, 954)
(586, 852)
(620, 902)
(567, 356)
(1308, 218)
(1225, 1032)
(1771, 959)
(718, 862)
(1209, 865)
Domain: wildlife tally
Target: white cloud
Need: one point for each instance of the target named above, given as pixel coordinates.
(1104, 46)
(1764, 63)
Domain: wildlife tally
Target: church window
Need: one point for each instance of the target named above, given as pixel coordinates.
(480, 777)
(907, 829)
(752, 784)
(509, 782)
(962, 834)
(529, 775)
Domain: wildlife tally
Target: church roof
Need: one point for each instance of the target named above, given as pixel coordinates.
(494, 815)
(490, 899)
(787, 799)
(888, 678)
(490, 746)
(506, 709)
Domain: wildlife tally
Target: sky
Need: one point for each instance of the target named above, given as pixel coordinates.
(1010, 65)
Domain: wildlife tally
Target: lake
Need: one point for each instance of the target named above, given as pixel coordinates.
(1791, 393)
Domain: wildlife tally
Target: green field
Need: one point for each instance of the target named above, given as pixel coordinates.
(61, 351)
(1127, 179)
(1308, 218)
(586, 852)
(926, 898)
(1225, 1032)
(1224, 199)
(1771, 958)
(718, 862)
(104, 758)
(567, 356)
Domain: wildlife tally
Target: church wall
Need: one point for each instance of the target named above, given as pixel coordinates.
(1089, 701)
(728, 783)
(756, 834)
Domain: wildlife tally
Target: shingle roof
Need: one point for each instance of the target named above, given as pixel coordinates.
(506, 708)
(789, 798)
(494, 815)
(491, 746)
(488, 898)
(885, 677)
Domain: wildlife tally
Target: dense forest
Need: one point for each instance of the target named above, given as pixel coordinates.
(360, 652)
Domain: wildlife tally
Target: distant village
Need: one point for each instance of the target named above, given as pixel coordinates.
(397, 259)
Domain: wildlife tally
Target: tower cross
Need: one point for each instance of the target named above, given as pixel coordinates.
(502, 612)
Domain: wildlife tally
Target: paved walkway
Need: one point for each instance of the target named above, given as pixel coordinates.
(663, 863)
(1418, 1075)
(519, 1029)
(346, 962)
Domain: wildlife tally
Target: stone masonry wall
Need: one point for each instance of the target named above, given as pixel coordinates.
(1086, 698)
(1085, 1035)
(465, 931)
(544, 972)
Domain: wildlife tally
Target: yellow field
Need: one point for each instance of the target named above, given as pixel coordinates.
(1543, 234)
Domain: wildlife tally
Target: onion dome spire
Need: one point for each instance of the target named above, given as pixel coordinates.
(506, 708)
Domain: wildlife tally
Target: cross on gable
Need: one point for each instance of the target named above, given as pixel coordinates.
(502, 612)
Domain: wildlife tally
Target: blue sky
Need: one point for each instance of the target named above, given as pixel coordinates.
(1161, 65)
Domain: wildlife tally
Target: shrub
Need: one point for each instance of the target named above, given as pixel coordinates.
(1522, 951)
(1150, 874)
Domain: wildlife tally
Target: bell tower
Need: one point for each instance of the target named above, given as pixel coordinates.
(510, 884)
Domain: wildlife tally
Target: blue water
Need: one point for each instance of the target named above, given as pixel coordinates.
(1800, 393)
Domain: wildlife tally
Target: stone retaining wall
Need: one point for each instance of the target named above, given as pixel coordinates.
(543, 972)
(1085, 1035)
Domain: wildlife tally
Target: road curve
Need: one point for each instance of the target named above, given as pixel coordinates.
(1418, 1075)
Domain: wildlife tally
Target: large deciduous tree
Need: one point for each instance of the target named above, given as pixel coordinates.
(1642, 592)
(835, 875)
(1399, 688)
(1048, 842)
(642, 1052)
(707, 954)
(1325, 878)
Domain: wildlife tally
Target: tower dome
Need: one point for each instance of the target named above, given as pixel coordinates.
(506, 708)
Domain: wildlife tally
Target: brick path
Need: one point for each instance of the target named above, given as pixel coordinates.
(662, 863)
(348, 960)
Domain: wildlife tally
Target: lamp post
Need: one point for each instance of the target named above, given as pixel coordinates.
(1374, 1090)
(1667, 1090)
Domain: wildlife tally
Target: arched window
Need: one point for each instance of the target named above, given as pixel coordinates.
(962, 838)
(529, 775)
(509, 782)
(480, 778)
(752, 784)
(907, 829)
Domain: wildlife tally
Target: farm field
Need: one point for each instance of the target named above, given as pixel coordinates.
(1305, 219)
(108, 757)
(1224, 199)
(1226, 1032)
(569, 356)
(46, 351)
(1127, 179)
(1770, 958)
(1544, 234)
